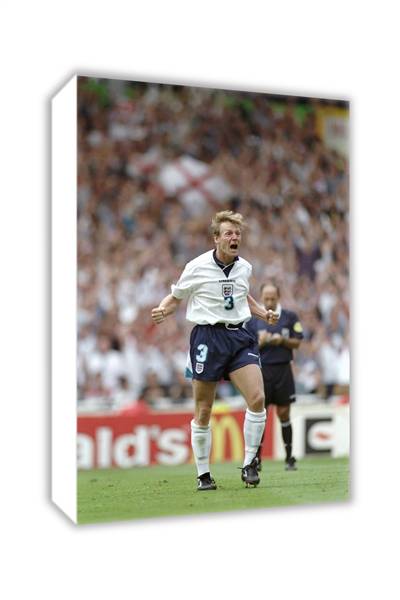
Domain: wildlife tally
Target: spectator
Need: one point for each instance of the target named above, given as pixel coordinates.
(107, 363)
(307, 374)
(123, 397)
(152, 391)
(328, 354)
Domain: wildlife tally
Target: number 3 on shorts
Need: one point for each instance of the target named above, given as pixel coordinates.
(203, 351)
(228, 303)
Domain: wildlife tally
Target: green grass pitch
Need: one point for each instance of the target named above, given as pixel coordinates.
(119, 494)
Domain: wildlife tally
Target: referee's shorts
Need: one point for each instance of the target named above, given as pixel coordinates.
(278, 384)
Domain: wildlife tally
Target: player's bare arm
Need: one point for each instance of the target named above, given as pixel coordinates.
(257, 310)
(167, 307)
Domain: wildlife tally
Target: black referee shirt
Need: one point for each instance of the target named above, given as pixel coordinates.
(288, 326)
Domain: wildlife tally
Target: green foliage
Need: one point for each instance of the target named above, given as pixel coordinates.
(99, 88)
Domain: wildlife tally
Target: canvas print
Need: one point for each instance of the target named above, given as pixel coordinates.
(213, 361)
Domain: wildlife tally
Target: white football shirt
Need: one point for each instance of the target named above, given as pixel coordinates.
(212, 296)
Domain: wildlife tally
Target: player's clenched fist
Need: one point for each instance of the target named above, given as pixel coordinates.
(272, 317)
(158, 315)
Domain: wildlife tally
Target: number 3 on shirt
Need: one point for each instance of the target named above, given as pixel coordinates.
(229, 303)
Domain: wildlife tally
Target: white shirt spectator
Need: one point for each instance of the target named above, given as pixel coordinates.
(328, 358)
(344, 366)
(307, 376)
(110, 364)
(155, 361)
(135, 366)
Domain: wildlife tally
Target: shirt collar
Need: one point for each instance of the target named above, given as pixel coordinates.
(279, 310)
(221, 264)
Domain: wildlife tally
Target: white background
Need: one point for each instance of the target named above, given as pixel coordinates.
(345, 49)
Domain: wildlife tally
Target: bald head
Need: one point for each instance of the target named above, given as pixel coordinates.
(270, 295)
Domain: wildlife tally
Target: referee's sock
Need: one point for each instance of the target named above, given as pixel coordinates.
(287, 435)
(253, 429)
(201, 444)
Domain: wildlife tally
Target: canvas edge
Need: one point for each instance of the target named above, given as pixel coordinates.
(63, 298)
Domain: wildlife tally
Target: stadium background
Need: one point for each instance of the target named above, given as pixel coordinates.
(154, 163)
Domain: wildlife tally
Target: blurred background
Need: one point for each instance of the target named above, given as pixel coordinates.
(155, 162)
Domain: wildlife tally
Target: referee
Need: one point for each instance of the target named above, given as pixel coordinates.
(276, 344)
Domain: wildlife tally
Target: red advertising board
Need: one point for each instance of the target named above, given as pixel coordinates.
(126, 441)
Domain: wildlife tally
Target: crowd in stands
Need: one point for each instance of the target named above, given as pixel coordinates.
(155, 162)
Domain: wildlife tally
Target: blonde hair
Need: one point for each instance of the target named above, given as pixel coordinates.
(226, 215)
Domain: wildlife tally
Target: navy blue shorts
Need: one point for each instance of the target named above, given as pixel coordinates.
(216, 351)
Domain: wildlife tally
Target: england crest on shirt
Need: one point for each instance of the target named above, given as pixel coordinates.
(199, 367)
(227, 289)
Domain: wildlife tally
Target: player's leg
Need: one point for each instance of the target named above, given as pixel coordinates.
(268, 393)
(283, 413)
(204, 394)
(248, 381)
(259, 452)
(284, 396)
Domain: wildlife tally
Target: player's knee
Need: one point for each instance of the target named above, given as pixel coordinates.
(283, 413)
(256, 401)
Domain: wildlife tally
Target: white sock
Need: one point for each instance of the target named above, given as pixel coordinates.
(253, 428)
(201, 444)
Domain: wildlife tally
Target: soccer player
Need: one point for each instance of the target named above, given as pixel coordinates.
(216, 285)
(276, 343)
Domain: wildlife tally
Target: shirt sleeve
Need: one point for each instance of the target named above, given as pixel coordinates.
(297, 329)
(184, 286)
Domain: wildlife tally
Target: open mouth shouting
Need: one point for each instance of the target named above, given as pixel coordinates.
(228, 242)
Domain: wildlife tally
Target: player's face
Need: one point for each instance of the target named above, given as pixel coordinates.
(270, 297)
(228, 240)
